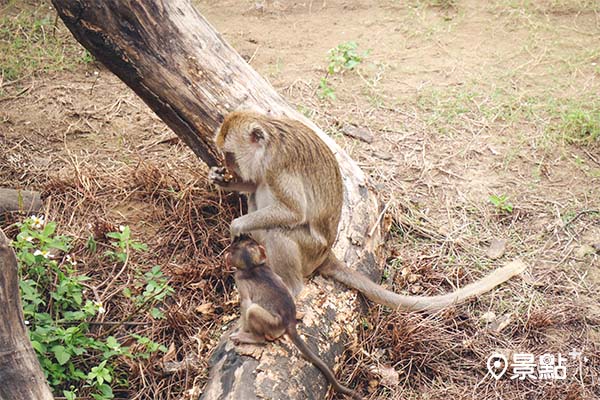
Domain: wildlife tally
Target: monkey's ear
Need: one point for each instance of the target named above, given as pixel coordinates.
(262, 254)
(257, 134)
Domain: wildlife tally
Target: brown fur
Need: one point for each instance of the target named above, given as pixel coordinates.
(267, 307)
(294, 206)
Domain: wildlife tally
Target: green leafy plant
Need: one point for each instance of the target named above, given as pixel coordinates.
(326, 91)
(501, 203)
(152, 287)
(58, 313)
(122, 244)
(343, 57)
(149, 346)
(87, 57)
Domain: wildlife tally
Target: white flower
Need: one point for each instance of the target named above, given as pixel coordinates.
(122, 228)
(101, 309)
(43, 253)
(71, 260)
(37, 222)
(26, 322)
(29, 239)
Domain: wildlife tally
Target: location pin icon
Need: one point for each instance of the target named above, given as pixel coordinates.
(497, 365)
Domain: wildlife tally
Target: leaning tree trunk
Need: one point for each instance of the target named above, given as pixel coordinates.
(190, 77)
(21, 377)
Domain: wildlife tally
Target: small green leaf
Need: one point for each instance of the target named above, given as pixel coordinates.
(69, 395)
(91, 244)
(112, 343)
(49, 229)
(156, 313)
(61, 354)
(106, 392)
(37, 346)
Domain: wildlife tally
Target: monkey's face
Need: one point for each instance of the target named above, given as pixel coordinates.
(245, 253)
(243, 139)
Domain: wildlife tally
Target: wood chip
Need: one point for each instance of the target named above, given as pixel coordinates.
(382, 155)
(389, 376)
(416, 289)
(358, 133)
(205, 309)
(496, 249)
(171, 354)
(250, 350)
(488, 317)
(501, 323)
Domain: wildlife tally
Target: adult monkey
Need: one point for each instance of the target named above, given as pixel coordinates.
(294, 207)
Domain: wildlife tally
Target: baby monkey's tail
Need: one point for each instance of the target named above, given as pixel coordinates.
(337, 270)
(313, 358)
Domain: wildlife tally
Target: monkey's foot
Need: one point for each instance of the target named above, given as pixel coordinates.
(247, 338)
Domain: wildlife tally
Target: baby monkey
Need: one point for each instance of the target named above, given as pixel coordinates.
(267, 307)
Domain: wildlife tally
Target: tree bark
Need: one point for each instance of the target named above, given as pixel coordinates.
(21, 377)
(190, 77)
(19, 200)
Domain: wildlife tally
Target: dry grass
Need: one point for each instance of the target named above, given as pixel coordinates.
(185, 225)
(540, 314)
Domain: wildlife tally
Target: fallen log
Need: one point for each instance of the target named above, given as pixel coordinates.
(190, 77)
(21, 377)
(19, 200)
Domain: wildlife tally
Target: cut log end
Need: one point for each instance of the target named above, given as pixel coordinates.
(15, 200)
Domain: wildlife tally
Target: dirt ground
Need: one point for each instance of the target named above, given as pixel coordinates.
(486, 127)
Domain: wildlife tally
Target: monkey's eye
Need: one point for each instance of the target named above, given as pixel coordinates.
(257, 135)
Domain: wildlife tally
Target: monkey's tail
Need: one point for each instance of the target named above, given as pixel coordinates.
(337, 270)
(313, 358)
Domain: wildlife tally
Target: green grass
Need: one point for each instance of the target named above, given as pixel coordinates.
(550, 6)
(580, 126)
(30, 44)
(562, 120)
(443, 4)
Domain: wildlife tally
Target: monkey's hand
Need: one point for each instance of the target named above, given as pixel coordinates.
(236, 228)
(222, 177)
(219, 176)
(269, 217)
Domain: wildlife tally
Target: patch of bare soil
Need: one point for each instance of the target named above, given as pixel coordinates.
(464, 104)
